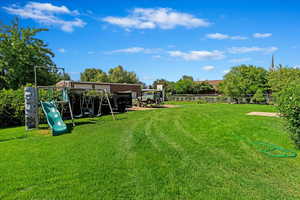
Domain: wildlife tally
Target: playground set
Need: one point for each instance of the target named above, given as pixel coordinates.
(58, 102)
(72, 99)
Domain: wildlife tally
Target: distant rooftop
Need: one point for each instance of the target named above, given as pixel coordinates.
(212, 82)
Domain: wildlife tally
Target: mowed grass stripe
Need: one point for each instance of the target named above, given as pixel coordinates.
(190, 152)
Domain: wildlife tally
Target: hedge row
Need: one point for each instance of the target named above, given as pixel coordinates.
(289, 106)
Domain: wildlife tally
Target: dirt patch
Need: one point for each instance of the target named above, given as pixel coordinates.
(266, 114)
(134, 108)
(44, 131)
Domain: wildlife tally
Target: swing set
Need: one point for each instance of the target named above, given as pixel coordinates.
(57, 102)
(87, 101)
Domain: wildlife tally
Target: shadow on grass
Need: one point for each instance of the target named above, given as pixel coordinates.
(120, 118)
(14, 138)
(83, 123)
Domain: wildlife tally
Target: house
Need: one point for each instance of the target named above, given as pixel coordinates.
(134, 89)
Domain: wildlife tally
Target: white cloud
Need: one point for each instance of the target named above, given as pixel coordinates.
(239, 60)
(262, 35)
(237, 50)
(198, 55)
(238, 37)
(208, 67)
(61, 50)
(297, 66)
(156, 56)
(129, 50)
(226, 71)
(220, 36)
(136, 50)
(46, 13)
(217, 36)
(164, 18)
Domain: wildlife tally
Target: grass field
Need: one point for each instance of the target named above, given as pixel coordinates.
(189, 152)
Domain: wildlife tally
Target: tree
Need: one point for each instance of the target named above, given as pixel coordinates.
(244, 81)
(119, 75)
(281, 77)
(184, 85)
(20, 51)
(93, 75)
(259, 96)
(202, 88)
(186, 77)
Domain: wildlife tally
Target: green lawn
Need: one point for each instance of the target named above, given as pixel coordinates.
(189, 152)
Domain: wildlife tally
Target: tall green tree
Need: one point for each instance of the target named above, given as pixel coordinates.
(93, 75)
(281, 77)
(184, 85)
(20, 51)
(120, 75)
(244, 81)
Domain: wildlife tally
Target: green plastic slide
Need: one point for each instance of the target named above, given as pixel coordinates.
(53, 118)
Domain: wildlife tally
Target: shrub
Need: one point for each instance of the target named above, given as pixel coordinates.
(288, 100)
(259, 97)
(201, 101)
(11, 107)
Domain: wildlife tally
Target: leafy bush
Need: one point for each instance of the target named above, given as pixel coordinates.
(259, 97)
(288, 100)
(201, 101)
(11, 107)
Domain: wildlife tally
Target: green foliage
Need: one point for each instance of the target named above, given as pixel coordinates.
(11, 107)
(115, 75)
(282, 77)
(120, 75)
(201, 101)
(93, 75)
(94, 93)
(259, 96)
(186, 85)
(202, 88)
(20, 51)
(186, 77)
(169, 86)
(288, 100)
(244, 81)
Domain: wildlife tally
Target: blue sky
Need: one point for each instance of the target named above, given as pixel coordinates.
(164, 38)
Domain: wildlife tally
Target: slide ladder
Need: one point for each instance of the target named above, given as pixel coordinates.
(54, 118)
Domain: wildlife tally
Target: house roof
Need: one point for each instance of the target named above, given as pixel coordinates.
(212, 82)
(95, 83)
